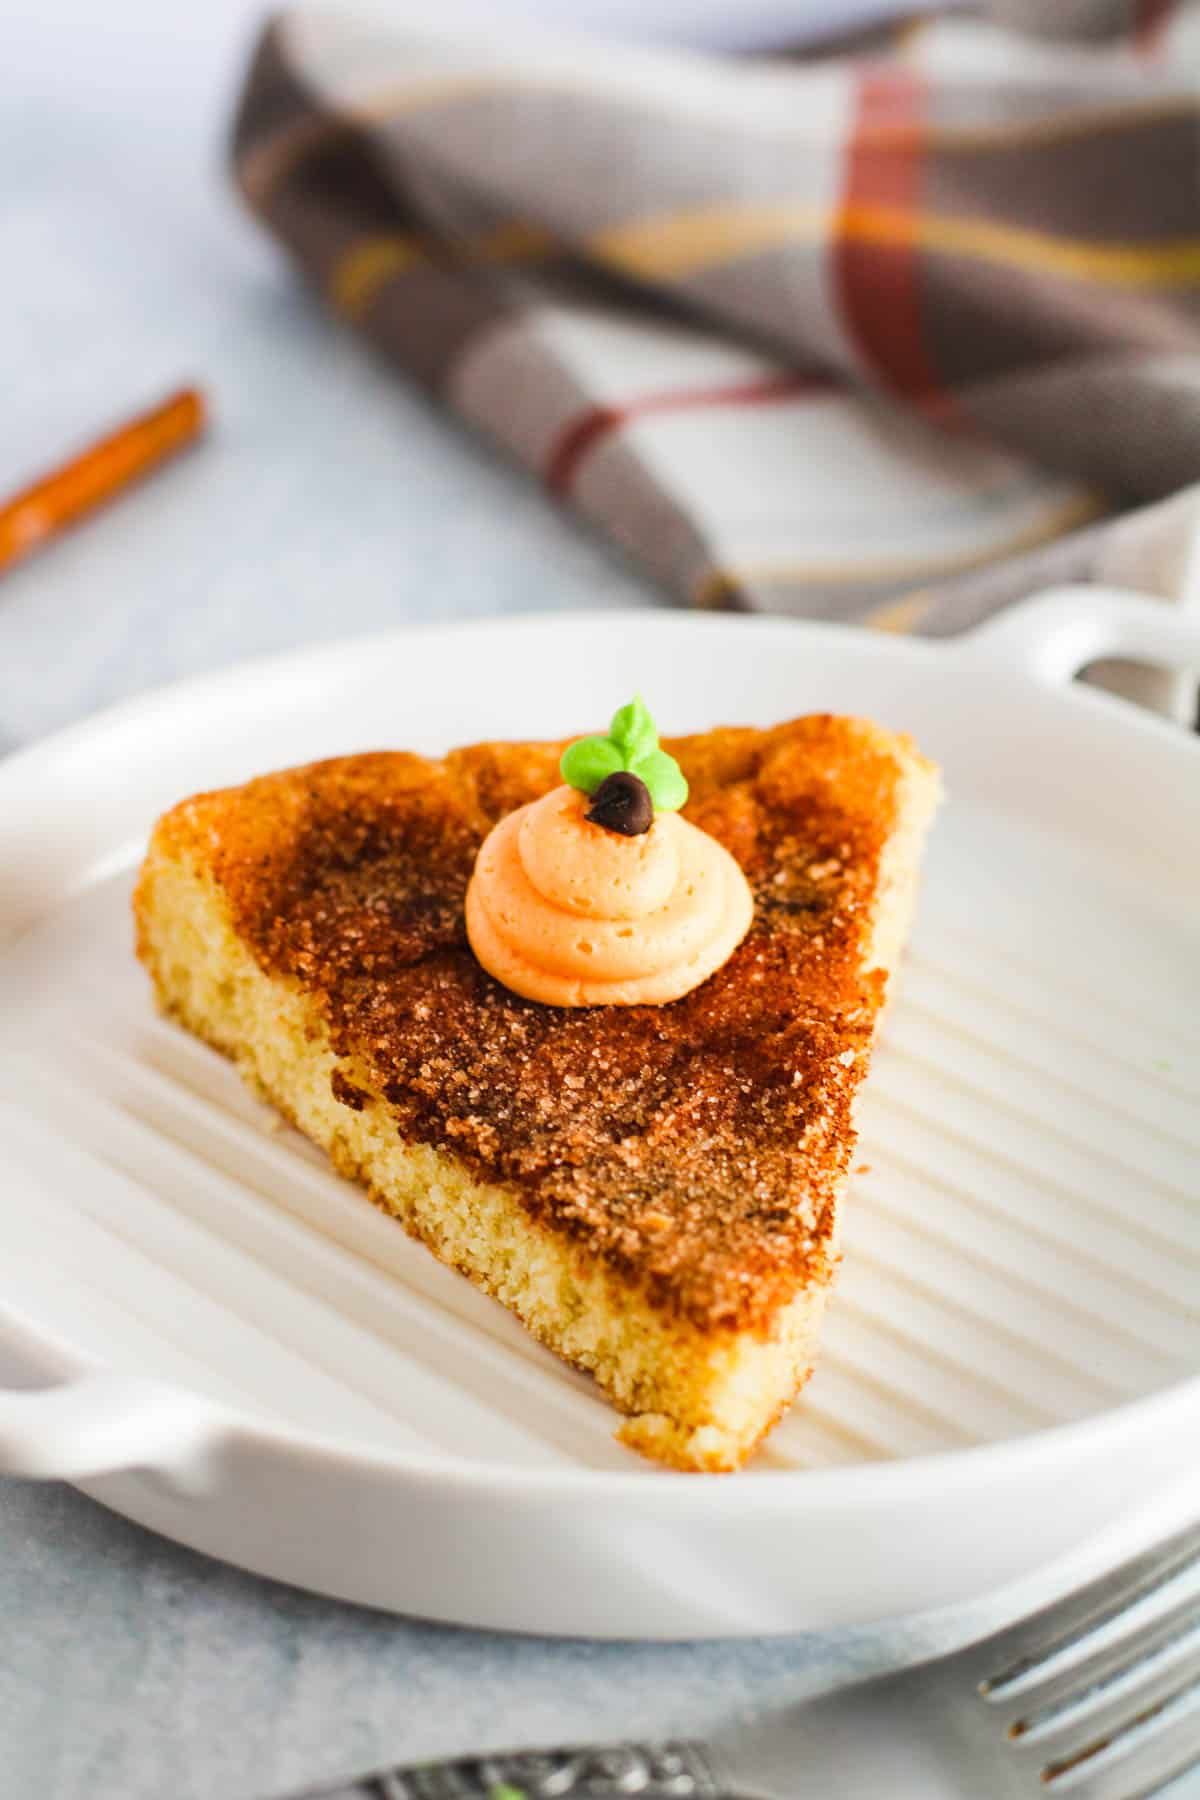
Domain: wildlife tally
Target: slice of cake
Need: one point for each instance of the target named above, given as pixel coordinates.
(652, 1188)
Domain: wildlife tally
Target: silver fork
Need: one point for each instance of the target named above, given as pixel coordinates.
(1097, 1697)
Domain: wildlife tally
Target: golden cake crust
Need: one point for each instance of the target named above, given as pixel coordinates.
(696, 1149)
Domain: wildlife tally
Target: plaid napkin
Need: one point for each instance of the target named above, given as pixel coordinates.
(886, 335)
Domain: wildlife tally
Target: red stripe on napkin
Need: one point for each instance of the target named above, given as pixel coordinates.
(589, 429)
(878, 281)
(1149, 23)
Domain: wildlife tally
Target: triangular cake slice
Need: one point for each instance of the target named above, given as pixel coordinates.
(653, 1190)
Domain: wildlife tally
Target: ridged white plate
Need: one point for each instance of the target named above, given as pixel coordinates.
(263, 1366)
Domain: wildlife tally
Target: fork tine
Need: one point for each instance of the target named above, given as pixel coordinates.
(1163, 1786)
(1101, 1695)
(1079, 1628)
(1116, 1765)
(1153, 1658)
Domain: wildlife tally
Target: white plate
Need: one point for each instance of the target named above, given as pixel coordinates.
(263, 1366)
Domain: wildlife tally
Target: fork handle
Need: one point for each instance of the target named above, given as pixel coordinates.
(673, 1771)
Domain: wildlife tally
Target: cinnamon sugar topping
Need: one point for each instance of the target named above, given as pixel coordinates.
(697, 1146)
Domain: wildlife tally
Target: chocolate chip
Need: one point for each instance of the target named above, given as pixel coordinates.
(622, 803)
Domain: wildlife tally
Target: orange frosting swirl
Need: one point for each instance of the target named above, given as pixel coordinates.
(569, 913)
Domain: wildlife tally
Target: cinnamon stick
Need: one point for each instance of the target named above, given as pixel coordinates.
(98, 474)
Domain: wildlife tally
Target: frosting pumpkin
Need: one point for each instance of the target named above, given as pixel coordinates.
(563, 910)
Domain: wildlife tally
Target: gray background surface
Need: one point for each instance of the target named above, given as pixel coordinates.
(330, 499)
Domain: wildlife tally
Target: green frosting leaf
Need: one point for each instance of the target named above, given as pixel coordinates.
(589, 762)
(632, 744)
(665, 780)
(632, 731)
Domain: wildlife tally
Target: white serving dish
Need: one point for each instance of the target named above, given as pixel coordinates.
(258, 1364)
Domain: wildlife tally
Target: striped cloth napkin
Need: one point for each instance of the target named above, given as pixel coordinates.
(889, 334)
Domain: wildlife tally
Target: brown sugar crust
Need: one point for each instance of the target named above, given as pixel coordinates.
(695, 1148)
